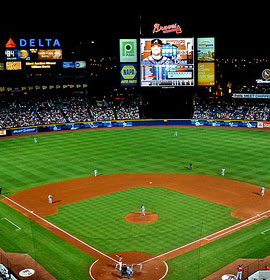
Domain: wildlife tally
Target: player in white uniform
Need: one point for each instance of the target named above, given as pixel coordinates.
(95, 172)
(50, 198)
(262, 191)
(223, 171)
(143, 210)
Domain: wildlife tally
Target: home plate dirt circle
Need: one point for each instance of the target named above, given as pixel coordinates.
(105, 269)
(138, 218)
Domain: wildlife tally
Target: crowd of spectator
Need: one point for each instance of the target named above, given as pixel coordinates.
(42, 110)
(246, 111)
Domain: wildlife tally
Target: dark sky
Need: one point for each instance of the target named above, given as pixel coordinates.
(239, 31)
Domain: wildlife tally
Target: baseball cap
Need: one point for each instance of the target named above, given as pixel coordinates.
(156, 42)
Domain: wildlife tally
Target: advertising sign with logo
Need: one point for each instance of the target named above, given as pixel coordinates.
(74, 64)
(50, 54)
(206, 49)
(128, 75)
(263, 124)
(13, 65)
(167, 28)
(13, 54)
(206, 74)
(128, 50)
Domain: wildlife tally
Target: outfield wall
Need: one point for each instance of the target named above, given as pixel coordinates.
(133, 123)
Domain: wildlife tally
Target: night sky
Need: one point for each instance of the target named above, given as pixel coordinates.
(239, 31)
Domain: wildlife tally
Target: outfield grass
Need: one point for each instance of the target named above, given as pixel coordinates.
(56, 157)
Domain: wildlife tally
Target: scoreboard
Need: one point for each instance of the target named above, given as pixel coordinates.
(167, 62)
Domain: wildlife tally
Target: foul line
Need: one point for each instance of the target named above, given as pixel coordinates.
(58, 228)
(18, 228)
(218, 234)
(263, 232)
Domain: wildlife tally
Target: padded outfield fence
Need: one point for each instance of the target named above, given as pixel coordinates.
(134, 123)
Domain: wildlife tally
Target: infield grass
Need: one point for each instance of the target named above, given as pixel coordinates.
(100, 221)
(56, 157)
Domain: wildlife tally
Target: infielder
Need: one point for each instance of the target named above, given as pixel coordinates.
(143, 210)
(95, 172)
(50, 198)
(262, 191)
(223, 171)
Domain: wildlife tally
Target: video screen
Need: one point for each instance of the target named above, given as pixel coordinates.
(167, 62)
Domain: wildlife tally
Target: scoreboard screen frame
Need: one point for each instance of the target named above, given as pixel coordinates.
(173, 66)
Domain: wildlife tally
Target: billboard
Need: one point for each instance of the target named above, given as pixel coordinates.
(13, 65)
(14, 54)
(128, 75)
(50, 54)
(167, 62)
(206, 74)
(73, 64)
(128, 50)
(206, 49)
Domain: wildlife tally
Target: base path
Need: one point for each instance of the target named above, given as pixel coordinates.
(244, 198)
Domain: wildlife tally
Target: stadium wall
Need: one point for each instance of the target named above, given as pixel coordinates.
(133, 123)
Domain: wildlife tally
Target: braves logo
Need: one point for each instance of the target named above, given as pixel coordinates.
(266, 74)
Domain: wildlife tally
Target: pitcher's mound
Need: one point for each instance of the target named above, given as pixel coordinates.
(138, 218)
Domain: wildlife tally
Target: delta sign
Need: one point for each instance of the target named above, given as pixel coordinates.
(34, 43)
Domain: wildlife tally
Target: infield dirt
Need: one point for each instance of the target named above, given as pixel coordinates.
(244, 198)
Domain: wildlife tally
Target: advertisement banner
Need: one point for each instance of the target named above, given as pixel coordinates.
(228, 123)
(263, 124)
(128, 50)
(206, 73)
(74, 64)
(49, 54)
(25, 130)
(206, 49)
(13, 65)
(3, 132)
(128, 74)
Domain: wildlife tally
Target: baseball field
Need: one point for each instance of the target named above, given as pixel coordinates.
(203, 221)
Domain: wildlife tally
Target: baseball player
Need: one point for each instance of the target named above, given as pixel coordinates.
(239, 272)
(156, 58)
(143, 210)
(120, 262)
(176, 133)
(129, 271)
(50, 198)
(223, 171)
(190, 165)
(35, 139)
(95, 172)
(262, 191)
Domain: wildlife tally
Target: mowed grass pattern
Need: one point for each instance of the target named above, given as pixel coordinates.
(64, 156)
(100, 221)
(56, 157)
